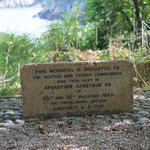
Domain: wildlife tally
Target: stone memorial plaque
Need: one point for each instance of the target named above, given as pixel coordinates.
(78, 88)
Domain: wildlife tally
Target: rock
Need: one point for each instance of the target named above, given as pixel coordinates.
(16, 108)
(113, 120)
(9, 125)
(65, 118)
(8, 121)
(6, 117)
(9, 112)
(141, 97)
(21, 122)
(114, 116)
(1, 114)
(144, 113)
(73, 118)
(146, 107)
(129, 115)
(15, 117)
(147, 94)
(136, 109)
(16, 126)
(142, 120)
(1, 120)
(123, 117)
(52, 123)
(136, 116)
(3, 130)
(17, 114)
(136, 96)
(100, 122)
(127, 121)
(101, 116)
(50, 14)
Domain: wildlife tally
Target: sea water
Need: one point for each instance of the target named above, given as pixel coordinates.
(21, 20)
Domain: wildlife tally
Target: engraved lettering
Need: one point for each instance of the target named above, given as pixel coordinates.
(59, 97)
(40, 71)
(62, 108)
(108, 73)
(107, 84)
(52, 76)
(54, 103)
(107, 94)
(89, 85)
(36, 77)
(61, 81)
(57, 87)
(61, 70)
(84, 75)
(87, 96)
(75, 80)
(116, 67)
(68, 75)
(97, 68)
(48, 97)
(87, 80)
(97, 101)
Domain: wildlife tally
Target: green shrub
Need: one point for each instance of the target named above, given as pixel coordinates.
(15, 51)
(68, 33)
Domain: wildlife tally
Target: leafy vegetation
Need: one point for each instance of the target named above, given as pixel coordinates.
(115, 18)
(110, 31)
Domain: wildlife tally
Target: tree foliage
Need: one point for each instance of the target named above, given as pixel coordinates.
(118, 16)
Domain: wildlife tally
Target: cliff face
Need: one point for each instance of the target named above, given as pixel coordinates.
(54, 9)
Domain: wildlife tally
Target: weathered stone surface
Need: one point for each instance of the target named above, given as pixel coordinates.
(79, 88)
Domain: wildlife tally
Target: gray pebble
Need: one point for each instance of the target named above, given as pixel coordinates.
(3, 129)
(17, 114)
(6, 125)
(8, 121)
(10, 125)
(136, 116)
(15, 117)
(65, 118)
(6, 117)
(114, 116)
(136, 109)
(127, 121)
(16, 126)
(142, 120)
(147, 94)
(144, 113)
(146, 107)
(100, 122)
(141, 97)
(1, 114)
(101, 116)
(16, 108)
(73, 118)
(21, 122)
(135, 96)
(130, 115)
(1, 120)
(9, 112)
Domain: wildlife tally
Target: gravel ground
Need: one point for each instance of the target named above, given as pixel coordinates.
(123, 131)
